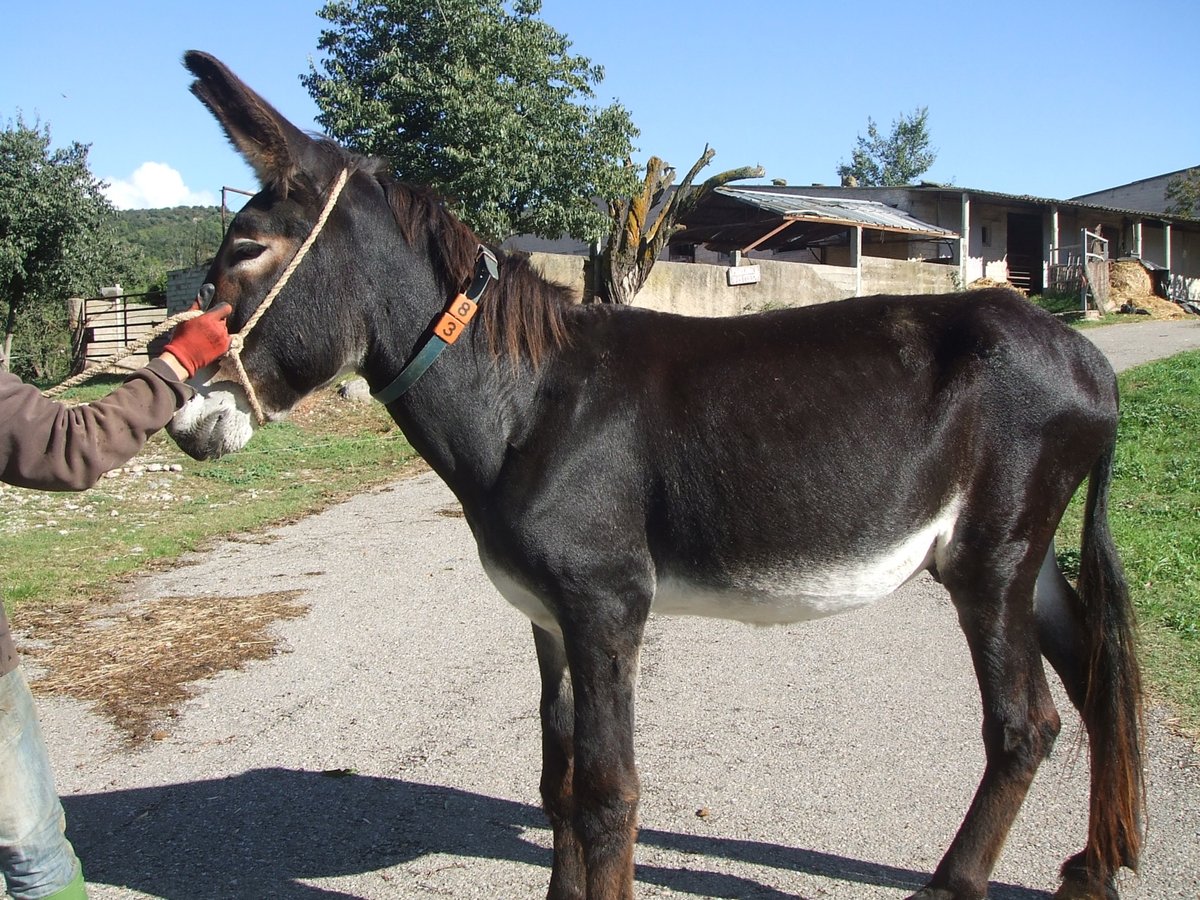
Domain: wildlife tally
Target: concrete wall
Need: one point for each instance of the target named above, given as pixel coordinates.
(703, 290)
(561, 268)
(700, 290)
(902, 276)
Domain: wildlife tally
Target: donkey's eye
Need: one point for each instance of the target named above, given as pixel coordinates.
(245, 250)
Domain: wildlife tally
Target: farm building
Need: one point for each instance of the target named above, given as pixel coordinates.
(1020, 239)
(836, 242)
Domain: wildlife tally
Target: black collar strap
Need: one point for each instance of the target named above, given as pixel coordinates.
(446, 329)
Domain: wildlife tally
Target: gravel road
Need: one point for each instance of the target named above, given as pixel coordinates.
(392, 749)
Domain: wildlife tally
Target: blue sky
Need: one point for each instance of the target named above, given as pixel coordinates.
(1053, 98)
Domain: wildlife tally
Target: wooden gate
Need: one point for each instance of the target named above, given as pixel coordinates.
(104, 325)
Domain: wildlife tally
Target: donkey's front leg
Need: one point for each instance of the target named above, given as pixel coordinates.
(602, 651)
(568, 878)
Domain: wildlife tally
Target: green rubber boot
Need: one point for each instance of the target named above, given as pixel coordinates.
(73, 891)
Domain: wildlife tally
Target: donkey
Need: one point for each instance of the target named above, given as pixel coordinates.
(769, 468)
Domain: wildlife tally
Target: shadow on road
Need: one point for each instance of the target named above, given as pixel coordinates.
(259, 834)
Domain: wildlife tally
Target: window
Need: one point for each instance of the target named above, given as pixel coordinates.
(682, 253)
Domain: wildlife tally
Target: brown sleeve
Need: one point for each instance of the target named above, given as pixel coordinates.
(54, 447)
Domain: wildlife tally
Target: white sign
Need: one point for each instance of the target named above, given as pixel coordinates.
(744, 275)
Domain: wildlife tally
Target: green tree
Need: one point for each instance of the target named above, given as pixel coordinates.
(56, 241)
(899, 158)
(485, 105)
(169, 238)
(1183, 193)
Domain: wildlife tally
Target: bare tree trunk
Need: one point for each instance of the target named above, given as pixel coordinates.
(620, 269)
(10, 327)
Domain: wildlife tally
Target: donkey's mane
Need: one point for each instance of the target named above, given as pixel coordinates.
(522, 313)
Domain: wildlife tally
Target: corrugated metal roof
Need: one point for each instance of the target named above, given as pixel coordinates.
(841, 210)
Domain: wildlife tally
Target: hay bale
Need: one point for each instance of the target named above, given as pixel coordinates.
(1129, 281)
(979, 283)
(1132, 286)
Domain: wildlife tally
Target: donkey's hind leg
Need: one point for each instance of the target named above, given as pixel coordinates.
(1061, 628)
(568, 877)
(1062, 634)
(1020, 722)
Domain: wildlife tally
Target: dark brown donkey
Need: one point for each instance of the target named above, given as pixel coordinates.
(768, 468)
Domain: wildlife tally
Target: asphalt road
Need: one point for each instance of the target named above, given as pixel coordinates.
(832, 759)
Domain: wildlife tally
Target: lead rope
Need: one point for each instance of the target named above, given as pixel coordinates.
(238, 341)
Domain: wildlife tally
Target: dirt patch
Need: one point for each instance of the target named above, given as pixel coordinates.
(138, 662)
(327, 412)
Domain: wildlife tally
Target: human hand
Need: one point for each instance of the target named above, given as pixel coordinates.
(200, 341)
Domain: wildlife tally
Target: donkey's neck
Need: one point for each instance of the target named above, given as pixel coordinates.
(464, 412)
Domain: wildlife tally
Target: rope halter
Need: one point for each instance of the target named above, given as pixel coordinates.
(238, 341)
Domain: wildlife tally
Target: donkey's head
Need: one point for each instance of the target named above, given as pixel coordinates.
(311, 331)
(388, 258)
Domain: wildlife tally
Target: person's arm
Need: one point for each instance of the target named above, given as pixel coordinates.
(54, 447)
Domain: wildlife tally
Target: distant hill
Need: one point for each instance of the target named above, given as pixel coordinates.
(167, 239)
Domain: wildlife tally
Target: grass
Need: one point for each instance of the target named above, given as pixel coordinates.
(1067, 307)
(1155, 517)
(58, 547)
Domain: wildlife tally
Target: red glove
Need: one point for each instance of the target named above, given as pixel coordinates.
(200, 341)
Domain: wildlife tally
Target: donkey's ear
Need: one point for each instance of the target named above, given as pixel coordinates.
(272, 145)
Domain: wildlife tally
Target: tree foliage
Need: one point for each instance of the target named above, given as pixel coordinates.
(169, 238)
(486, 105)
(899, 158)
(636, 238)
(1183, 193)
(56, 241)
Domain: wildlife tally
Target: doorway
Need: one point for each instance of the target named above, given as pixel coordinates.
(1025, 252)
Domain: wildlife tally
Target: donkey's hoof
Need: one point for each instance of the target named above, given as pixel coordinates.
(1080, 884)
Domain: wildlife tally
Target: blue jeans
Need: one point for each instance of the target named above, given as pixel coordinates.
(36, 859)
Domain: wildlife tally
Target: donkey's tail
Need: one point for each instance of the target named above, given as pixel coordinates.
(1112, 709)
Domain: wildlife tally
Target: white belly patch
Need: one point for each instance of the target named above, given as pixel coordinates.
(525, 600)
(781, 594)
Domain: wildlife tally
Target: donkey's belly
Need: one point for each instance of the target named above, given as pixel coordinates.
(794, 600)
(789, 590)
(798, 590)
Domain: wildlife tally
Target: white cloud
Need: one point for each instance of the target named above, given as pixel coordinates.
(153, 185)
